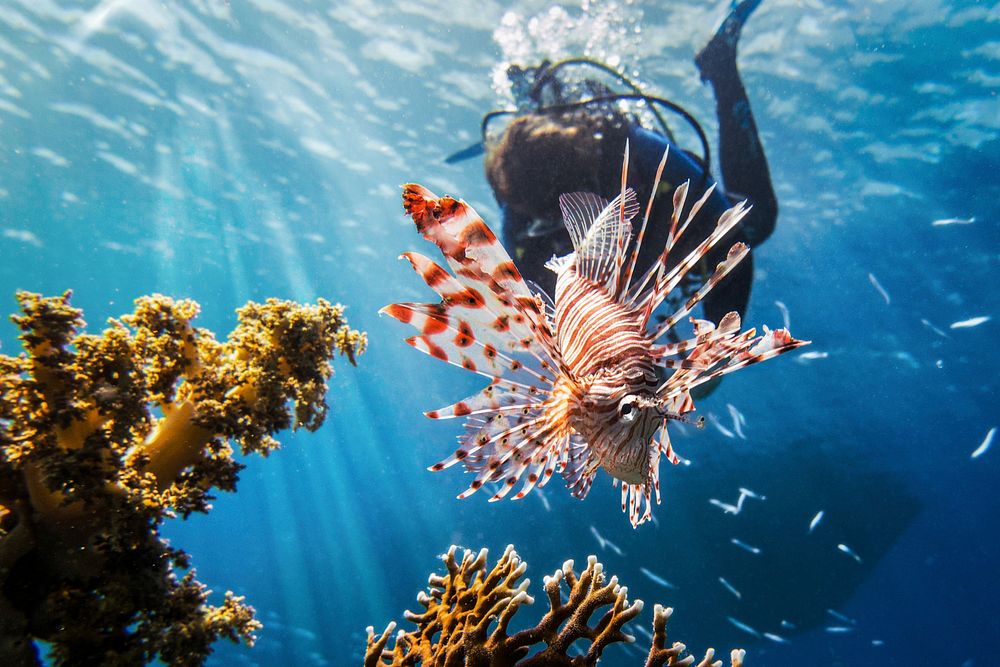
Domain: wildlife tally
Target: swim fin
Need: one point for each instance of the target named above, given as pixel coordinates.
(732, 25)
(718, 57)
(467, 153)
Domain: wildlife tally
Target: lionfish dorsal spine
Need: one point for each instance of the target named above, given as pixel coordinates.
(737, 253)
(623, 286)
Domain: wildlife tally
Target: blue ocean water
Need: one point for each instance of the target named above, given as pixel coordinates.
(227, 151)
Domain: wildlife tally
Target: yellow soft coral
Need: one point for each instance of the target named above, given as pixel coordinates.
(102, 437)
(462, 605)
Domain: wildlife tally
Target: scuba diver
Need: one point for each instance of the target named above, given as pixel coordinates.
(569, 135)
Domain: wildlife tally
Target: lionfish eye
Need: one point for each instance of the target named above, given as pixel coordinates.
(627, 409)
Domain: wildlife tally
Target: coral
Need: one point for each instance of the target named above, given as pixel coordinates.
(462, 605)
(104, 437)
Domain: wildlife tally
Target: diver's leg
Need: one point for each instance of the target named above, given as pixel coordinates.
(741, 156)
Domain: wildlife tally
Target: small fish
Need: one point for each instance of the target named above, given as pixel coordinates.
(840, 617)
(838, 629)
(735, 509)
(787, 625)
(811, 356)
(604, 542)
(778, 639)
(987, 441)
(597, 536)
(743, 626)
(784, 313)
(745, 546)
(815, 521)
(971, 322)
(574, 389)
(745, 492)
(545, 500)
(726, 507)
(732, 589)
(849, 551)
(878, 286)
(906, 357)
(614, 547)
(718, 425)
(878, 642)
(953, 221)
(655, 578)
(927, 323)
(738, 420)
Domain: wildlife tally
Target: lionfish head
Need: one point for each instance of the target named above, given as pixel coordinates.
(618, 418)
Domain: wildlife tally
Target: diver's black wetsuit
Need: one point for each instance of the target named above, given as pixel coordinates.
(741, 155)
(745, 174)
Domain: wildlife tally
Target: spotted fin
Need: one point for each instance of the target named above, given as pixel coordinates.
(733, 350)
(500, 395)
(457, 342)
(506, 446)
(485, 279)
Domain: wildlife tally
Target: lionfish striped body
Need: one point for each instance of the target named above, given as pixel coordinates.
(573, 385)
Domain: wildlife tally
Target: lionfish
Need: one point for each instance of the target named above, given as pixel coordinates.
(573, 384)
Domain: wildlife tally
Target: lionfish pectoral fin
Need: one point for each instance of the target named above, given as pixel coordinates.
(486, 310)
(506, 447)
(579, 468)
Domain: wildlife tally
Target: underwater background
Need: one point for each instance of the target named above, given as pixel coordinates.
(227, 151)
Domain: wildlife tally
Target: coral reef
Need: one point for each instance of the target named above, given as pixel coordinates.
(461, 605)
(103, 437)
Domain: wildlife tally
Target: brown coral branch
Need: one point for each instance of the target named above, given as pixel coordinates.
(462, 605)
